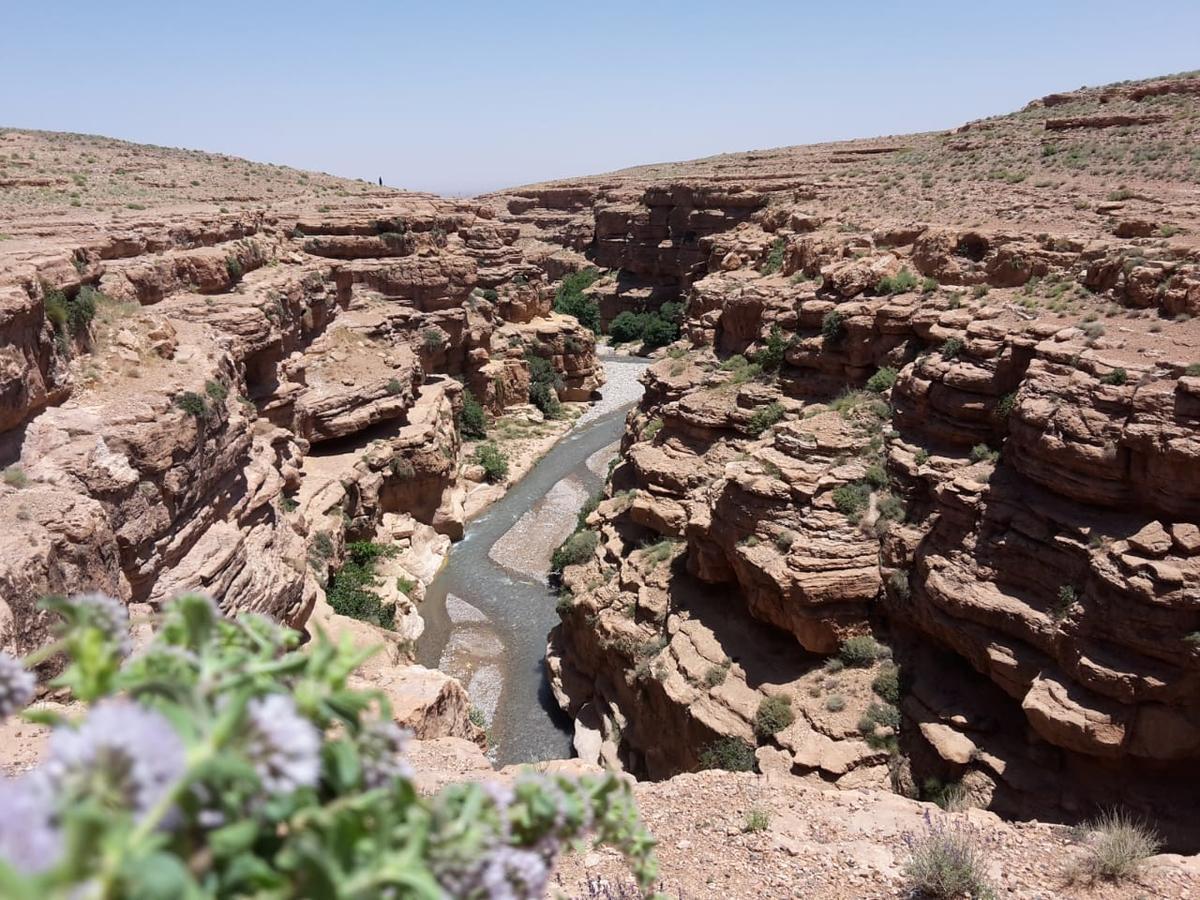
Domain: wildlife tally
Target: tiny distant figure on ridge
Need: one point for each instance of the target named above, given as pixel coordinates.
(381, 181)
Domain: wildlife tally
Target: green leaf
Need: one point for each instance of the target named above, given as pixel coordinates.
(233, 839)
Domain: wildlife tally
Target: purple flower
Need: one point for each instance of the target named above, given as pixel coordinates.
(284, 747)
(16, 686)
(381, 746)
(29, 841)
(124, 753)
(107, 614)
(512, 874)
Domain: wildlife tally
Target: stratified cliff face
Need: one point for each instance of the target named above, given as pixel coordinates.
(971, 429)
(194, 398)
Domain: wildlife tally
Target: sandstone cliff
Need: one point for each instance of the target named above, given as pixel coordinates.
(921, 398)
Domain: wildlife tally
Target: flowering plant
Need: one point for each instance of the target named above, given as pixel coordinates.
(222, 760)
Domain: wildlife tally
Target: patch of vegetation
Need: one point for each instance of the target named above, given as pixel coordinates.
(1005, 405)
(900, 283)
(349, 591)
(984, 453)
(1066, 597)
(1118, 845)
(833, 326)
(494, 462)
(571, 300)
(929, 285)
(898, 581)
(835, 703)
(658, 553)
(716, 674)
(1117, 376)
(394, 387)
(15, 477)
(770, 358)
(882, 380)
(653, 427)
(756, 820)
(833, 665)
(472, 421)
(861, 651)
(544, 384)
(233, 267)
(651, 329)
(192, 404)
(216, 390)
(886, 684)
(764, 417)
(852, 499)
(952, 348)
(774, 714)
(729, 753)
(774, 261)
(433, 339)
(576, 549)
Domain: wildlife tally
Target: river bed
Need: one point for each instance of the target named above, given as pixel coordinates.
(488, 612)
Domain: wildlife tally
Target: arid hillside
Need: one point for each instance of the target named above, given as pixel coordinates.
(910, 505)
(914, 503)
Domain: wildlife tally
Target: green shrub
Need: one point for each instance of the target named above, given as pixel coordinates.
(1066, 598)
(433, 339)
(774, 714)
(835, 703)
(833, 665)
(770, 358)
(984, 453)
(192, 404)
(225, 760)
(886, 683)
(490, 295)
(756, 820)
(1193, 370)
(764, 417)
(1117, 376)
(900, 283)
(861, 651)
(852, 499)
(947, 862)
(216, 390)
(1005, 405)
(774, 261)
(659, 332)
(882, 380)
(578, 548)
(472, 421)
(394, 387)
(570, 299)
(929, 285)
(952, 348)
(1118, 845)
(233, 266)
(627, 327)
(876, 476)
(728, 753)
(544, 384)
(833, 326)
(81, 309)
(716, 674)
(15, 477)
(898, 581)
(349, 591)
(653, 427)
(493, 460)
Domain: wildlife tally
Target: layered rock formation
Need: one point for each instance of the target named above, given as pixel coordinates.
(973, 432)
(225, 400)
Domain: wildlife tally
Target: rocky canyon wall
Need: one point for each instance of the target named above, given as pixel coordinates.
(979, 444)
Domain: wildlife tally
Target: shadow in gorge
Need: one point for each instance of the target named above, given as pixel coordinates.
(767, 654)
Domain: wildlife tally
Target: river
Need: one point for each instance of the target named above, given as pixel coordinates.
(488, 612)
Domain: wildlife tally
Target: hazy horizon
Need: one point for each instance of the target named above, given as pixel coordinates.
(471, 98)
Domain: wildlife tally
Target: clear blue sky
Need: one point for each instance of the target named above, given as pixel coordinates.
(466, 97)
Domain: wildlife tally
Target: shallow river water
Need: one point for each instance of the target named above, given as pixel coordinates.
(488, 613)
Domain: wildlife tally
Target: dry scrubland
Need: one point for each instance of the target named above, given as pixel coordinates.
(906, 521)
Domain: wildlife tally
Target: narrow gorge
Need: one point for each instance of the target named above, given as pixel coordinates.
(871, 468)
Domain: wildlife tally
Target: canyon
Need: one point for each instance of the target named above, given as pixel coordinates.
(909, 512)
